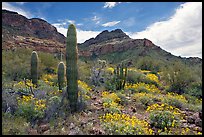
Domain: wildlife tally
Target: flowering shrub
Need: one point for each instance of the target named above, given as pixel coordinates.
(31, 107)
(24, 86)
(50, 79)
(163, 119)
(146, 98)
(123, 124)
(175, 100)
(152, 77)
(164, 116)
(111, 102)
(84, 90)
(165, 107)
(148, 87)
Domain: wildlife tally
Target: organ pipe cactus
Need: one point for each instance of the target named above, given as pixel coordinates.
(61, 74)
(34, 67)
(71, 67)
(120, 76)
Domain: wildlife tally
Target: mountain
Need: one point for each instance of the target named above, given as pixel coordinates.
(38, 34)
(114, 46)
(104, 36)
(16, 24)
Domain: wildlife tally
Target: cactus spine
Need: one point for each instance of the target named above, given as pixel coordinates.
(61, 74)
(120, 75)
(34, 67)
(71, 67)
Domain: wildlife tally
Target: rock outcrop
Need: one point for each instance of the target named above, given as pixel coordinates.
(105, 36)
(16, 24)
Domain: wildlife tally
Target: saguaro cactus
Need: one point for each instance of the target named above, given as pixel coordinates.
(34, 67)
(61, 73)
(71, 67)
(120, 76)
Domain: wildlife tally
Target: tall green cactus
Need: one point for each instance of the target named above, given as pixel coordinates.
(61, 73)
(34, 67)
(71, 67)
(120, 76)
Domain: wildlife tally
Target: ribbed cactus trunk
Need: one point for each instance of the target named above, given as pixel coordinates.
(61, 73)
(71, 67)
(120, 74)
(34, 67)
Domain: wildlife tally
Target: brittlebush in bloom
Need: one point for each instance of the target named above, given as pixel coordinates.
(125, 124)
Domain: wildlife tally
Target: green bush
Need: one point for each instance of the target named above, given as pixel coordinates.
(146, 101)
(163, 119)
(135, 77)
(147, 63)
(195, 89)
(179, 77)
(14, 125)
(174, 102)
(123, 99)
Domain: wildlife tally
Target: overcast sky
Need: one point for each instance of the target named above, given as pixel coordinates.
(174, 26)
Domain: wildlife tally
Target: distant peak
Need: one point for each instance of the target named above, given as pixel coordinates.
(7, 11)
(117, 31)
(106, 35)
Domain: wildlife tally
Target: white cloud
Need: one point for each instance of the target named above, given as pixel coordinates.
(96, 19)
(8, 6)
(181, 34)
(110, 4)
(110, 24)
(70, 21)
(82, 35)
(21, 3)
(79, 24)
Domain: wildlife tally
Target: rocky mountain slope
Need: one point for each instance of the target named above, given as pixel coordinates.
(18, 31)
(15, 24)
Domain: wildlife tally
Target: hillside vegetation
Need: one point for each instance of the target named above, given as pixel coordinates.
(112, 94)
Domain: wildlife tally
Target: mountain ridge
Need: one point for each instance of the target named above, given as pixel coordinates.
(40, 35)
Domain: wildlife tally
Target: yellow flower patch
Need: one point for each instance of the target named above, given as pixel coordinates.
(125, 124)
(149, 87)
(152, 77)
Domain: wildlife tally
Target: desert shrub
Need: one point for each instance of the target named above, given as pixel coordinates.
(147, 63)
(146, 99)
(175, 100)
(98, 77)
(111, 102)
(179, 77)
(84, 71)
(142, 87)
(9, 101)
(163, 119)
(135, 77)
(31, 108)
(48, 63)
(14, 125)
(123, 99)
(195, 89)
(15, 66)
(53, 108)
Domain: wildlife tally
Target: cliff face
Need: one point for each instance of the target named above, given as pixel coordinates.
(15, 24)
